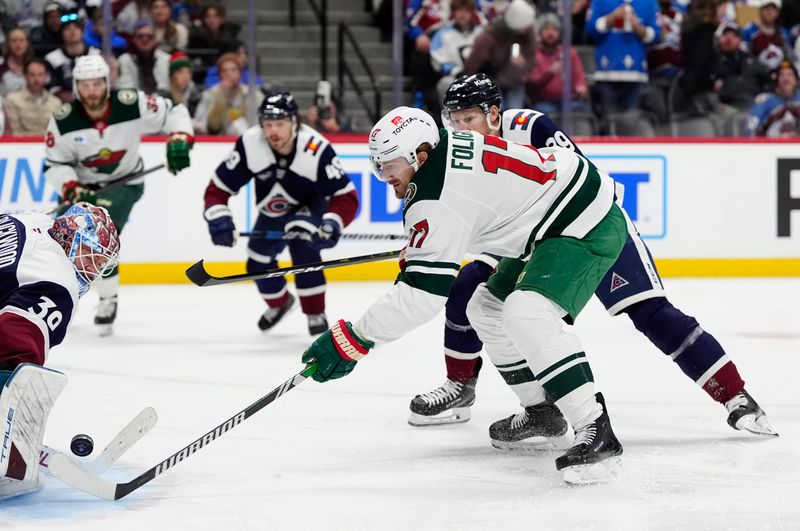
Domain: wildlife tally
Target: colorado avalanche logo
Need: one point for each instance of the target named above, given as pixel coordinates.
(277, 202)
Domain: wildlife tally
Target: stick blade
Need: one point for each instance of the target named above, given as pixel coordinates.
(74, 475)
(198, 275)
(127, 437)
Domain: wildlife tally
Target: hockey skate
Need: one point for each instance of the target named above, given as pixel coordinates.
(538, 427)
(447, 404)
(106, 313)
(271, 317)
(317, 323)
(745, 414)
(594, 456)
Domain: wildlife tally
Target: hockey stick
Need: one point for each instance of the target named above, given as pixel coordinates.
(121, 443)
(74, 475)
(116, 183)
(279, 235)
(198, 275)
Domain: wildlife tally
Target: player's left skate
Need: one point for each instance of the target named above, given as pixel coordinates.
(447, 404)
(594, 456)
(317, 323)
(106, 314)
(746, 414)
(538, 427)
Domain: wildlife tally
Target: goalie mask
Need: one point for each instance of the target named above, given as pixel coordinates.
(91, 66)
(89, 239)
(398, 134)
(468, 92)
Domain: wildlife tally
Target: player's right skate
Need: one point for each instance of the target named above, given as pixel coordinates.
(538, 427)
(593, 457)
(106, 314)
(746, 414)
(447, 404)
(273, 315)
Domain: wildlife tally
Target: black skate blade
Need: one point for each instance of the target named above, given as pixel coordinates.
(456, 415)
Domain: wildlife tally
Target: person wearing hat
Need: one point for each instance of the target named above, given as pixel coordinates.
(144, 66)
(777, 114)
(47, 37)
(181, 87)
(621, 29)
(766, 38)
(545, 83)
(452, 43)
(62, 59)
(739, 76)
(223, 108)
(505, 51)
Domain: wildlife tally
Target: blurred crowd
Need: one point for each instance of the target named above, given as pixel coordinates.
(636, 67)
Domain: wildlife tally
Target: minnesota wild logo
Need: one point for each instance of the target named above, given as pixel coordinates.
(105, 161)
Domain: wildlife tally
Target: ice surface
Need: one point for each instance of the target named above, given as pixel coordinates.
(341, 456)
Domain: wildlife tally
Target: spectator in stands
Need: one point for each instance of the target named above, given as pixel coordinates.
(739, 76)
(695, 94)
(181, 87)
(453, 43)
(330, 121)
(62, 59)
(621, 30)
(505, 51)
(127, 13)
(223, 108)
(237, 47)
(25, 14)
(213, 34)
(545, 82)
(777, 114)
(12, 69)
(47, 37)
(28, 109)
(664, 60)
(144, 67)
(187, 12)
(422, 19)
(96, 28)
(170, 35)
(768, 42)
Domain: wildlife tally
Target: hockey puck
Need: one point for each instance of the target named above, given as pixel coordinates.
(81, 445)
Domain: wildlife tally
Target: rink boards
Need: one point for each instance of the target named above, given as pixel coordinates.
(706, 208)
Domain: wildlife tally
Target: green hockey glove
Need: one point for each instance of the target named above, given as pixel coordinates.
(74, 192)
(178, 147)
(336, 352)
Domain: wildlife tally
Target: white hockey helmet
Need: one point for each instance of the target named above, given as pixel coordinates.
(90, 66)
(398, 134)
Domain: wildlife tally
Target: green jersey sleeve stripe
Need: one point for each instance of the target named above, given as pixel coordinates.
(433, 284)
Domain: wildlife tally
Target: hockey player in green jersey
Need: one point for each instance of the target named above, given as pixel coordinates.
(96, 138)
(466, 192)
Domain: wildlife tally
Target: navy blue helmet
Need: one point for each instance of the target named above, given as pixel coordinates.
(277, 105)
(467, 92)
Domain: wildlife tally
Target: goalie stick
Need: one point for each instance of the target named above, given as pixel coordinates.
(121, 443)
(63, 206)
(74, 475)
(198, 275)
(279, 235)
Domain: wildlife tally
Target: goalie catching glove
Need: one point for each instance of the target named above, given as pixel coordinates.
(178, 147)
(336, 352)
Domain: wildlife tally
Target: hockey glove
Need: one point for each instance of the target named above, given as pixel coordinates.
(220, 225)
(178, 146)
(74, 192)
(328, 234)
(336, 352)
(300, 228)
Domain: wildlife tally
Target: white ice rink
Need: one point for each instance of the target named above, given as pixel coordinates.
(341, 455)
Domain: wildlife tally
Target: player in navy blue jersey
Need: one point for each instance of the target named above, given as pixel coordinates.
(45, 266)
(300, 188)
(632, 286)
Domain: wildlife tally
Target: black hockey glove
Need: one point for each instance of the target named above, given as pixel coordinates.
(220, 225)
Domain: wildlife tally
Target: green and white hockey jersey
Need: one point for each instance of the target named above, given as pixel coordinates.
(78, 148)
(479, 193)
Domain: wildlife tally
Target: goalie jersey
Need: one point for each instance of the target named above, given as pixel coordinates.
(479, 193)
(310, 176)
(92, 152)
(38, 290)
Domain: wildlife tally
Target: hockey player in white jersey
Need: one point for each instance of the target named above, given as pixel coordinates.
(469, 192)
(632, 287)
(45, 266)
(96, 138)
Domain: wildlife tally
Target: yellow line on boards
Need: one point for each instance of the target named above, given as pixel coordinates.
(172, 273)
